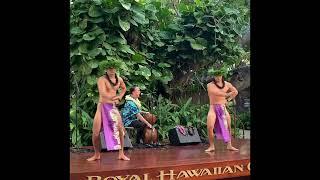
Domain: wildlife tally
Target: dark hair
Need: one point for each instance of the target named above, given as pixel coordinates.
(132, 88)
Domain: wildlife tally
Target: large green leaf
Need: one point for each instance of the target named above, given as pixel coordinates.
(88, 37)
(156, 73)
(93, 64)
(150, 55)
(126, 48)
(83, 48)
(201, 41)
(96, 20)
(76, 30)
(103, 52)
(97, 2)
(94, 11)
(153, 17)
(174, 27)
(231, 11)
(83, 23)
(85, 69)
(113, 39)
(133, 22)
(210, 25)
(125, 5)
(139, 58)
(162, 65)
(165, 35)
(111, 11)
(76, 137)
(139, 15)
(122, 36)
(171, 48)
(91, 80)
(94, 52)
(108, 46)
(196, 46)
(149, 36)
(159, 43)
(124, 24)
(151, 8)
(71, 126)
(166, 77)
(144, 71)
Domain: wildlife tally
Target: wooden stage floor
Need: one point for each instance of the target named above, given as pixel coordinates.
(175, 162)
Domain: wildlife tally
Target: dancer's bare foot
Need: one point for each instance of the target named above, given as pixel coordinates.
(94, 157)
(209, 149)
(123, 157)
(231, 148)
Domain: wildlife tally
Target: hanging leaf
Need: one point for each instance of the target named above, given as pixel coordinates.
(138, 15)
(122, 36)
(125, 5)
(149, 35)
(94, 11)
(124, 24)
(133, 22)
(103, 52)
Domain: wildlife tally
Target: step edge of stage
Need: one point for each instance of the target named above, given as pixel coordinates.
(164, 166)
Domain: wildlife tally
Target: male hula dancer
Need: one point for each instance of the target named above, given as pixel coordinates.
(219, 91)
(107, 114)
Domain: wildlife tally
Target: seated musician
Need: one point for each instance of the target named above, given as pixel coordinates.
(131, 113)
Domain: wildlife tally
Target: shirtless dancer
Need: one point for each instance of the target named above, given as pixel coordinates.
(107, 114)
(219, 91)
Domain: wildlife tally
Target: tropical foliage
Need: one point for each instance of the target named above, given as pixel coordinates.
(161, 42)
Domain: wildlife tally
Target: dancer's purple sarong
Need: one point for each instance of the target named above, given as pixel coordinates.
(221, 124)
(109, 116)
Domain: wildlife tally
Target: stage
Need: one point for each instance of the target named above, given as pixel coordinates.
(168, 162)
